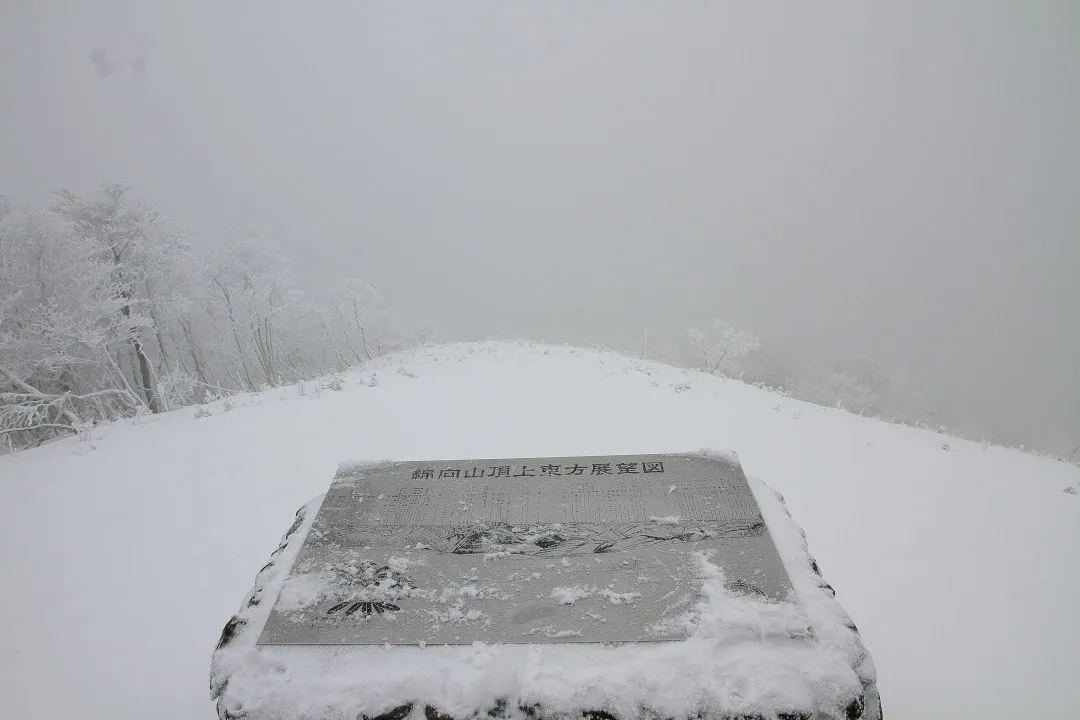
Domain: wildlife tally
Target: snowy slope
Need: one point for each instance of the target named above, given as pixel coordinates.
(125, 554)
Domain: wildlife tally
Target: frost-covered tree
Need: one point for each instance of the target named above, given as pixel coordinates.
(853, 383)
(60, 324)
(356, 307)
(120, 234)
(721, 346)
(105, 312)
(250, 280)
(365, 327)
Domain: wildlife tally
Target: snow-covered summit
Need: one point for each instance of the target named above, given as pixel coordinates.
(126, 548)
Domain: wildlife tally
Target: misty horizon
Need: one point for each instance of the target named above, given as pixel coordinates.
(896, 182)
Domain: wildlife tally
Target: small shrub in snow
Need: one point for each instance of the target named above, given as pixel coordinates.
(177, 388)
(722, 346)
(201, 412)
(84, 433)
(227, 406)
(774, 389)
(335, 383)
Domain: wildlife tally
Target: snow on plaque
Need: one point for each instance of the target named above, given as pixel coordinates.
(569, 549)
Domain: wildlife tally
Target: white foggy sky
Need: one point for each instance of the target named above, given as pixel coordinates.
(899, 179)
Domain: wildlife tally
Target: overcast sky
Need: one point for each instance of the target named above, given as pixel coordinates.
(900, 179)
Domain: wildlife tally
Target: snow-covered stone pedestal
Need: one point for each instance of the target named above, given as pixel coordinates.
(652, 586)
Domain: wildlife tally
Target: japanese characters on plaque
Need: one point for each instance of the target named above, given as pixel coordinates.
(541, 470)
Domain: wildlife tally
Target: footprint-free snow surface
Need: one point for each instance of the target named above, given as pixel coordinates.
(126, 550)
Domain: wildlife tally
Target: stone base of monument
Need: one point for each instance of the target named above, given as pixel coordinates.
(654, 586)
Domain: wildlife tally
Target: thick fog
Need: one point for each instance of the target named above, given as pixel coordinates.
(891, 180)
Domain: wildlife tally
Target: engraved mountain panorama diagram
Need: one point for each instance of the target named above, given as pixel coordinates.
(574, 549)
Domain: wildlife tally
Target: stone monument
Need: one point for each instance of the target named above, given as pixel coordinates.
(619, 553)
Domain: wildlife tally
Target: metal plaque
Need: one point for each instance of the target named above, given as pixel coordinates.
(578, 549)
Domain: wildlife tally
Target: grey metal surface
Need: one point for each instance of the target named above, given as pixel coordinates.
(579, 549)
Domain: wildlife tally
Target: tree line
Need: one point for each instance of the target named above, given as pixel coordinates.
(106, 312)
(855, 383)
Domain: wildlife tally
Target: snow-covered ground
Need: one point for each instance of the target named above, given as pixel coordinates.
(124, 553)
